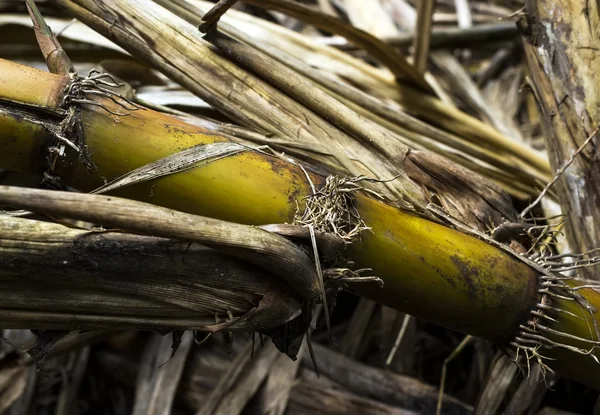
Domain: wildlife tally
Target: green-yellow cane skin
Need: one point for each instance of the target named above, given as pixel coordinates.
(21, 143)
(23, 84)
(23, 89)
(582, 368)
(442, 275)
(248, 187)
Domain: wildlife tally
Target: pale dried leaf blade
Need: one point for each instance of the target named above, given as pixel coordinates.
(176, 163)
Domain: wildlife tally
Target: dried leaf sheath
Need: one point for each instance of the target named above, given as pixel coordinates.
(54, 277)
(256, 246)
(562, 55)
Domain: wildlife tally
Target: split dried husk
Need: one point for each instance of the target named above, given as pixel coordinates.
(566, 84)
(56, 277)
